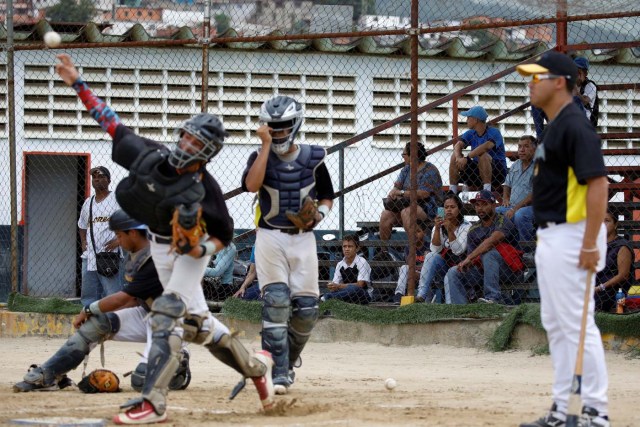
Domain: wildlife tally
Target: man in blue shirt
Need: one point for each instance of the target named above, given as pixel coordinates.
(486, 163)
(250, 290)
(517, 190)
(223, 271)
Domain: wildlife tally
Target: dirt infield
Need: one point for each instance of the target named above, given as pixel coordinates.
(339, 384)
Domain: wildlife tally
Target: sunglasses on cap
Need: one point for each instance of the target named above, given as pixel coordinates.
(537, 78)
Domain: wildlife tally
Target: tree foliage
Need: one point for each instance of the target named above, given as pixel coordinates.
(222, 22)
(71, 11)
(360, 7)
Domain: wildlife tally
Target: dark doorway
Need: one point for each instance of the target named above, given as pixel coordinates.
(55, 186)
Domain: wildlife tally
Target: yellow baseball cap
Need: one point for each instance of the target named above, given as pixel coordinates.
(551, 63)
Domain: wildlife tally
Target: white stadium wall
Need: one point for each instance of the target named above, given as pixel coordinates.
(342, 97)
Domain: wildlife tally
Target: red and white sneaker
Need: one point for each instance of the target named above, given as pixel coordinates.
(142, 413)
(264, 384)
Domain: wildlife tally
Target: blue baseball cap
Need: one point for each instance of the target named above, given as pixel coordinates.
(476, 112)
(581, 62)
(483, 196)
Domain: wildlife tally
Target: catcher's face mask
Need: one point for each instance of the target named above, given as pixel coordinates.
(283, 114)
(199, 139)
(282, 137)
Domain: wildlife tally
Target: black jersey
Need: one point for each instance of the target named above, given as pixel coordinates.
(214, 209)
(567, 157)
(144, 283)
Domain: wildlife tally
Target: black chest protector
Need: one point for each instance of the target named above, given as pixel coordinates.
(150, 196)
(286, 184)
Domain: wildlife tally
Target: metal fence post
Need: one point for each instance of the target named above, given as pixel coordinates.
(341, 198)
(413, 209)
(11, 107)
(206, 29)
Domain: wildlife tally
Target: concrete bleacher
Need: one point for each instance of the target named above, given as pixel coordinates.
(629, 208)
(384, 287)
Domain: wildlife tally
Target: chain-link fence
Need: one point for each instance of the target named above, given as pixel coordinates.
(349, 63)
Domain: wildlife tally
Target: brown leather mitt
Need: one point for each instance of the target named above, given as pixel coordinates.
(187, 227)
(100, 381)
(305, 218)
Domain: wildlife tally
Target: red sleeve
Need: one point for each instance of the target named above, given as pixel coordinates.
(99, 110)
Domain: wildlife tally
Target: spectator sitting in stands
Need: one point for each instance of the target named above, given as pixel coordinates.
(249, 290)
(587, 91)
(486, 163)
(222, 270)
(517, 190)
(491, 256)
(448, 246)
(403, 273)
(351, 281)
(429, 194)
(618, 269)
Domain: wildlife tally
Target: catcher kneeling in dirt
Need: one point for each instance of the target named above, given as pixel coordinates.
(184, 209)
(108, 319)
(288, 177)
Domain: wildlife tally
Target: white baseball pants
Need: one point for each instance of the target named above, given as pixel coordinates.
(288, 259)
(562, 286)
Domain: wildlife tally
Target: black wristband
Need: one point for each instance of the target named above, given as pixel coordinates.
(87, 310)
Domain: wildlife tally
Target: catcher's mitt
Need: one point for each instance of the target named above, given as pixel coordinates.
(305, 218)
(188, 228)
(100, 381)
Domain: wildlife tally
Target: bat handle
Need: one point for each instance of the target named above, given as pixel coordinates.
(572, 421)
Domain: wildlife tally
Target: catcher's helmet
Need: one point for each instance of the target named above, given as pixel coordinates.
(121, 221)
(207, 129)
(282, 113)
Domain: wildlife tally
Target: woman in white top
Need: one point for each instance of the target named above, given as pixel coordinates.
(448, 246)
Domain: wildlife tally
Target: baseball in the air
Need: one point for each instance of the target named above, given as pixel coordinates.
(52, 39)
(390, 383)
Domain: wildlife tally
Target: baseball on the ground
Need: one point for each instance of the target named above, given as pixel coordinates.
(390, 384)
(52, 39)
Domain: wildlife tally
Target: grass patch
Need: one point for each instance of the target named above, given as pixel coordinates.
(526, 313)
(626, 326)
(541, 350)
(409, 314)
(22, 303)
(251, 311)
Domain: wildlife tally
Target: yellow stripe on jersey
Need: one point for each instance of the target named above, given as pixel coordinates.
(256, 218)
(576, 198)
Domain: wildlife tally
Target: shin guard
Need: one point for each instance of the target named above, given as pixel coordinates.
(164, 356)
(304, 316)
(275, 318)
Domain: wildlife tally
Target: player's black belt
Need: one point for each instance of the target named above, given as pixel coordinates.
(547, 224)
(292, 231)
(159, 239)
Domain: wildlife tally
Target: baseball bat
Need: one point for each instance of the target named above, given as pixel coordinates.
(575, 406)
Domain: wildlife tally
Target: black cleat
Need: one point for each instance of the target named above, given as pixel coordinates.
(553, 418)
